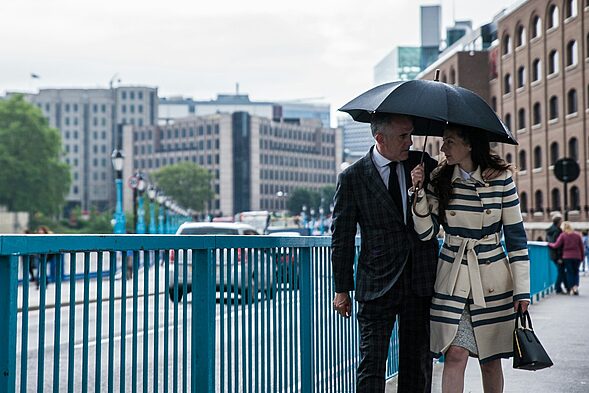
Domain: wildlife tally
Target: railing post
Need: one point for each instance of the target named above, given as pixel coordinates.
(8, 299)
(203, 332)
(306, 292)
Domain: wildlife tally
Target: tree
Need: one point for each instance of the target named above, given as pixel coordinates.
(300, 197)
(32, 176)
(327, 194)
(187, 183)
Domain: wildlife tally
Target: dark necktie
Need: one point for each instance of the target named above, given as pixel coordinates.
(394, 187)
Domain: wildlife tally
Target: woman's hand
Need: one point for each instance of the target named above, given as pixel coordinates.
(417, 175)
(521, 303)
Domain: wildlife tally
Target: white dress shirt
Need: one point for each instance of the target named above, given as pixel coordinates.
(382, 165)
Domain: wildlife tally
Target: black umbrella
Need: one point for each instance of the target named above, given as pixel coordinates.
(434, 104)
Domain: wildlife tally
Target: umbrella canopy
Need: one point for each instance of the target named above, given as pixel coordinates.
(434, 104)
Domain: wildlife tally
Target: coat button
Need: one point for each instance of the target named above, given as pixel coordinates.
(452, 213)
(491, 290)
(488, 211)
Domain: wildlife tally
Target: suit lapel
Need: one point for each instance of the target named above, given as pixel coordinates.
(375, 184)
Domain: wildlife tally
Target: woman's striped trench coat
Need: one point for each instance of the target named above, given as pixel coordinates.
(472, 267)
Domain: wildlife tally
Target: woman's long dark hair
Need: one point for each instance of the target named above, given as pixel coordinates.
(481, 157)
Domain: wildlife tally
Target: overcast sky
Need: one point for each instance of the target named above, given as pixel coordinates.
(275, 49)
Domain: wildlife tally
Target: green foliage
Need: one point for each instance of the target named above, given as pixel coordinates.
(32, 177)
(187, 183)
(311, 199)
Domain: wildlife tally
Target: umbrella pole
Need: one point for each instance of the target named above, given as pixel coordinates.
(417, 188)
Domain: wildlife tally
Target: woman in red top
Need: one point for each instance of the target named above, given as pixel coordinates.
(573, 252)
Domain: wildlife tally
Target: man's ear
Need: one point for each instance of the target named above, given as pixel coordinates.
(379, 138)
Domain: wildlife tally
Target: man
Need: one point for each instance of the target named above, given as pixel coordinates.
(552, 234)
(396, 271)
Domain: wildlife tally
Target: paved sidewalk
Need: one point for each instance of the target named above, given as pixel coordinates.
(562, 324)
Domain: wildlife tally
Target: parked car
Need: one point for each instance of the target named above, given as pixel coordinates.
(243, 257)
(287, 271)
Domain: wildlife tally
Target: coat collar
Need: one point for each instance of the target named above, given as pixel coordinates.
(475, 176)
(374, 182)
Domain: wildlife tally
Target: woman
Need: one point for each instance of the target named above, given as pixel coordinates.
(478, 288)
(573, 252)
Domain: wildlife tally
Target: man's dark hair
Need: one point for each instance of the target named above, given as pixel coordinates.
(379, 120)
(557, 219)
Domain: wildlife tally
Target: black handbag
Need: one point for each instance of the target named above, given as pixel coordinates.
(528, 353)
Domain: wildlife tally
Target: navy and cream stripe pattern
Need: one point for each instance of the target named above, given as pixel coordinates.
(477, 214)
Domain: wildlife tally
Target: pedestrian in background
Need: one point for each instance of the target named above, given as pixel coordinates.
(552, 234)
(573, 252)
(585, 263)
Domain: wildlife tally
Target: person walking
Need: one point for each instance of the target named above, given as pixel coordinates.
(573, 252)
(395, 271)
(585, 262)
(478, 287)
(552, 234)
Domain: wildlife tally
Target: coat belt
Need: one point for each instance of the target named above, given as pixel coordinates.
(467, 245)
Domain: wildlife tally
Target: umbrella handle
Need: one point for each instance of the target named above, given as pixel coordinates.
(414, 205)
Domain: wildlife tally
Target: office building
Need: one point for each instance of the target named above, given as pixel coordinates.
(89, 121)
(255, 161)
(171, 108)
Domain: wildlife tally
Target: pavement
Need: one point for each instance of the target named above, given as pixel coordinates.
(561, 322)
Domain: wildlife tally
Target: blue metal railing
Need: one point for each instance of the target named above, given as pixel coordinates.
(258, 317)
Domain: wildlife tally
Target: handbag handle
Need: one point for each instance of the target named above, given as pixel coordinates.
(524, 319)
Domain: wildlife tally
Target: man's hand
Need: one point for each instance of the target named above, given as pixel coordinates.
(417, 176)
(521, 303)
(342, 304)
(490, 174)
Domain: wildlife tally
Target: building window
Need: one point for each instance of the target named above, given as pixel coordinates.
(539, 201)
(552, 16)
(553, 62)
(523, 202)
(570, 8)
(521, 36)
(522, 160)
(521, 119)
(508, 121)
(555, 198)
(537, 157)
(553, 153)
(507, 84)
(572, 101)
(536, 70)
(521, 77)
(575, 199)
(444, 79)
(571, 53)
(494, 103)
(536, 26)
(506, 44)
(452, 76)
(553, 107)
(537, 114)
(574, 149)
(509, 158)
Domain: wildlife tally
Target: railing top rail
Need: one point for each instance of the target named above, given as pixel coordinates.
(45, 244)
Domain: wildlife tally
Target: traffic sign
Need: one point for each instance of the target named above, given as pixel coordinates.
(566, 170)
(133, 182)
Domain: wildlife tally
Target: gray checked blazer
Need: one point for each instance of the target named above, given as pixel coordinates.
(361, 198)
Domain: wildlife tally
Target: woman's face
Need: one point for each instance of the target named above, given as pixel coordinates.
(456, 149)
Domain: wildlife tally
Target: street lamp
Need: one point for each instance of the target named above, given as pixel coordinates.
(168, 203)
(117, 159)
(304, 216)
(281, 194)
(151, 193)
(141, 185)
(161, 198)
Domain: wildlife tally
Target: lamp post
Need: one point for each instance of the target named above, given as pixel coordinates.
(151, 193)
(312, 213)
(168, 203)
(281, 195)
(117, 159)
(140, 211)
(304, 216)
(161, 198)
